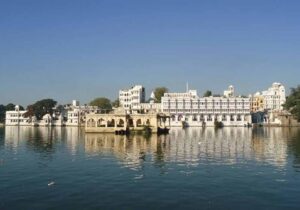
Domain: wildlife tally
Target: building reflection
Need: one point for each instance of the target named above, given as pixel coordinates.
(196, 146)
(42, 139)
(191, 146)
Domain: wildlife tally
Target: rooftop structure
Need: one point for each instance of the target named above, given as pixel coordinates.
(230, 92)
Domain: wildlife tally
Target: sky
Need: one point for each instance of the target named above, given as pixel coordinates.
(71, 49)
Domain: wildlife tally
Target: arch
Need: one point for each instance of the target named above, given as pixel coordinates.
(194, 117)
(139, 123)
(231, 117)
(179, 117)
(148, 122)
(130, 122)
(111, 123)
(173, 117)
(209, 118)
(91, 123)
(223, 117)
(202, 117)
(120, 123)
(101, 123)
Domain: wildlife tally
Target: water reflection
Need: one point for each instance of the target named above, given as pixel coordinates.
(196, 146)
(190, 146)
(41, 139)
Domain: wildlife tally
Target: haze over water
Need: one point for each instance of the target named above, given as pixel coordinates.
(195, 168)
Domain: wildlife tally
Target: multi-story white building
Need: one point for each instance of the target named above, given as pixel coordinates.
(16, 117)
(274, 97)
(75, 114)
(130, 99)
(193, 110)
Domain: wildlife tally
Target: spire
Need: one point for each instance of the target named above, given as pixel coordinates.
(152, 95)
(187, 87)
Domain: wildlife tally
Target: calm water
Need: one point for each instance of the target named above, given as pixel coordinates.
(231, 168)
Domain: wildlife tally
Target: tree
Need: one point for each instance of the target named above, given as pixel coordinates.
(40, 108)
(102, 103)
(159, 92)
(116, 103)
(207, 93)
(292, 103)
(10, 107)
(2, 113)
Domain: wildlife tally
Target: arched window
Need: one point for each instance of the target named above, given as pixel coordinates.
(111, 123)
(101, 123)
(120, 123)
(179, 117)
(139, 123)
(91, 123)
(194, 117)
(173, 117)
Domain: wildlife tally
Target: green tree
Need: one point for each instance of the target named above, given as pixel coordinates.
(292, 103)
(2, 113)
(159, 92)
(10, 107)
(40, 108)
(103, 103)
(207, 93)
(116, 103)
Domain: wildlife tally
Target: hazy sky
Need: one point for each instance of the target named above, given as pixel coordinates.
(69, 49)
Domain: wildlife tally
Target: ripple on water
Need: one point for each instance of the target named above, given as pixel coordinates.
(232, 168)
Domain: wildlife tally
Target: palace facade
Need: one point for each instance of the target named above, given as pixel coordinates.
(192, 110)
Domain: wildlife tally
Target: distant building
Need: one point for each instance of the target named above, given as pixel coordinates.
(274, 97)
(130, 99)
(75, 115)
(16, 117)
(269, 100)
(257, 102)
(230, 92)
(190, 109)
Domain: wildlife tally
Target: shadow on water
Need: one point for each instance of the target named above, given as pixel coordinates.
(295, 147)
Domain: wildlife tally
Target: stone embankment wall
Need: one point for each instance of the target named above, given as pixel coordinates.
(288, 121)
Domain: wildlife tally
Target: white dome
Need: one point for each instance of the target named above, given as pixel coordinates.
(47, 116)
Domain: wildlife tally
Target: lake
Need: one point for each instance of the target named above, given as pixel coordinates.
(194, 168)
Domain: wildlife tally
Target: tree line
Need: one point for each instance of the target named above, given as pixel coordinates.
(292, 103)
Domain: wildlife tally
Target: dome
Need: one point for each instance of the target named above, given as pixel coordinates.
(46, 116)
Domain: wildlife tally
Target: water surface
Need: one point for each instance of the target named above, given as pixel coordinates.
(229, 168)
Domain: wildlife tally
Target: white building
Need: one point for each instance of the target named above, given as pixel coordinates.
(274, 97)
(75, 114)
(16, 117)
(230, 92)
(130, 99)
(192, 110)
